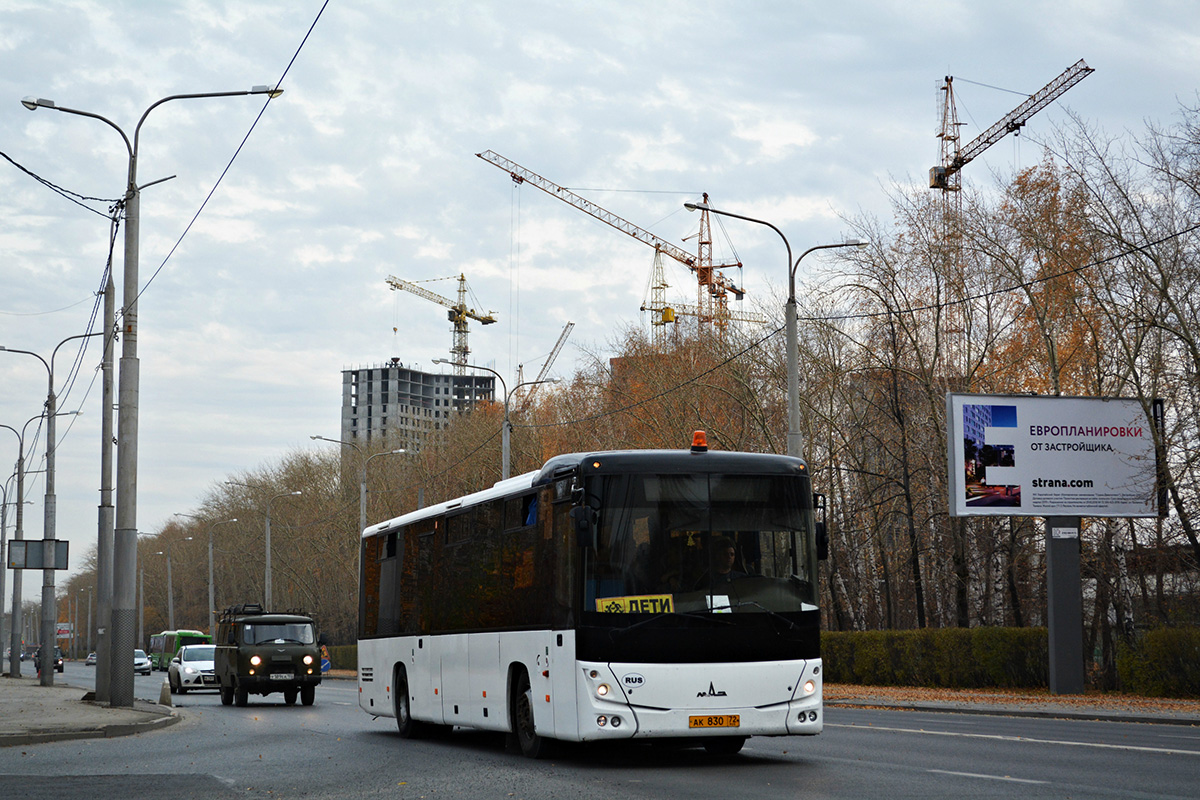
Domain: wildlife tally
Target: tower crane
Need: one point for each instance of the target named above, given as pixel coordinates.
(558, 346)
(947, 176)
(458, 315)
(713, 287)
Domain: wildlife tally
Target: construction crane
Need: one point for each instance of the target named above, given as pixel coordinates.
(713, 288)
(947, 176)
(558, 346)
(458, 315)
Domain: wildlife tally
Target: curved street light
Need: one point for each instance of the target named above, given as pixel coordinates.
(506, 430)
(795, 438)
(49, 628)
(362, 474)
(15, 632)
(267, 571)
(212, 622)
(124, 588)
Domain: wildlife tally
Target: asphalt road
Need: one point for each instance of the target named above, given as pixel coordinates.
(333, 750)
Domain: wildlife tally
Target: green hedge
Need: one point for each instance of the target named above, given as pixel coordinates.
(947, 657)
(1164, 662)
(344, 656)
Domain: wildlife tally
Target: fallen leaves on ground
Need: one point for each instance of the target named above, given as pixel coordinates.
(1013, 697)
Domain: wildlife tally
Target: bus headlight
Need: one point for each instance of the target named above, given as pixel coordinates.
(809, 687)
(602, 690)
(601, 721)
(255, 660)
(308, 659)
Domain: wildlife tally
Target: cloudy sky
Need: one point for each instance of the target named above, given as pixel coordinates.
(803, 113)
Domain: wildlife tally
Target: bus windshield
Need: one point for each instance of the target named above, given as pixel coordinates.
(701, 543)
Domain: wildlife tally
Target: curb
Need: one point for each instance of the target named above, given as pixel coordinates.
(162, 719)
(997, 711)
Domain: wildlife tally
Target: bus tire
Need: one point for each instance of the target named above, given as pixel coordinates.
(240, 696)
(226, 696)
(289, 697)
(725, 745)
(524, 731)
(409, 728)
(308, 694)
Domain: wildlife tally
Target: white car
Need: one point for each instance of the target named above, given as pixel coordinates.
(192, 668)
(141, 663)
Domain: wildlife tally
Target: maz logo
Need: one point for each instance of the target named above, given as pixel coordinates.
(712, 692)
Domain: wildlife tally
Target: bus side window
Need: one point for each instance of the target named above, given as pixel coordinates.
(520, 512)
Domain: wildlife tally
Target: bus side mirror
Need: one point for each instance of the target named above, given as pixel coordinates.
(822, 529)
(323, 640)
(582, 520)
(231, 640)
(822, 542)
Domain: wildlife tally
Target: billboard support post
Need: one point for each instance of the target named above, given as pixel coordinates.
(1064, 605)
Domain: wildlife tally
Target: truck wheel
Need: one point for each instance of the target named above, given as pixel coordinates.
(308, 694)
(240, 696)
(226, 696)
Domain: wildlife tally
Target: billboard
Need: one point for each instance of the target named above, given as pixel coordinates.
(38, 553)
(1021, 455)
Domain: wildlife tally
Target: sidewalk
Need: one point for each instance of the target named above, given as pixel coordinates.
(31, 713)
(1027, 703)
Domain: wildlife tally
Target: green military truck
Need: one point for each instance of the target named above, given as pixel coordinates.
(261, 652)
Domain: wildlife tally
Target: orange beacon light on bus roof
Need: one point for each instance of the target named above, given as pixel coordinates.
(699, 442)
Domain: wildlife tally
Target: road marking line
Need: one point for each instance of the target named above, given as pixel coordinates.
(1022, 739)
(985, 777)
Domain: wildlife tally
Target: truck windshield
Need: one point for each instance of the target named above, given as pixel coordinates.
(278, 632)
(706, 543)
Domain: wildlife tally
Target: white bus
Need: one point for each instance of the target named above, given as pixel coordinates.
(607, 596)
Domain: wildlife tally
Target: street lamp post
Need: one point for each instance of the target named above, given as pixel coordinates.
(267, 571)
(170, 587)
(14, 668)
(125, 530)
(362, 475)
(795, 438)
(49, 531)
(506, 430)
(212, 624)
(4, 502)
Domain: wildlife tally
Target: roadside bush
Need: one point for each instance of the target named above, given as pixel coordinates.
(344, 656)
(964, 658)
(1164, 662)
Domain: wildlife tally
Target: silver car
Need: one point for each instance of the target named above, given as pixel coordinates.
(141, 663)
(192, 668)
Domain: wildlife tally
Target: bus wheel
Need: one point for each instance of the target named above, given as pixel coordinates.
(308, 694)
(289, 697)
(240, 696)
(532, 745)
(725, 745)
(226, 696)
(409, 728)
